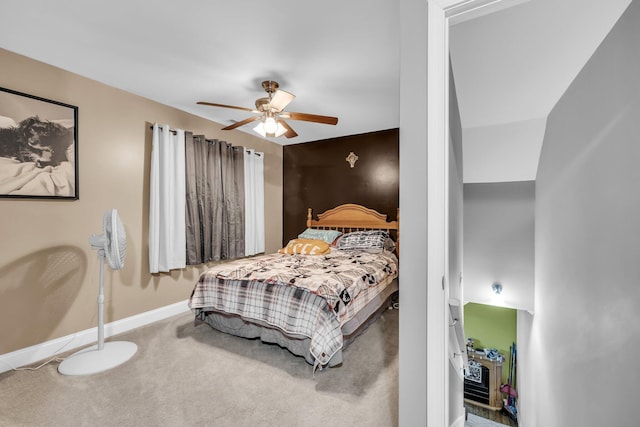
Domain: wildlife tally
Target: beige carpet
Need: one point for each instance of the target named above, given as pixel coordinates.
(184, 375)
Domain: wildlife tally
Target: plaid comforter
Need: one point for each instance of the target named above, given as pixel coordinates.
(299, 294)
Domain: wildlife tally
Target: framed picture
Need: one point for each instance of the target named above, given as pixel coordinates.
(38, 147)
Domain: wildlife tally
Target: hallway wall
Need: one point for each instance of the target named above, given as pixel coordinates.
(499, 243)
(583, 341)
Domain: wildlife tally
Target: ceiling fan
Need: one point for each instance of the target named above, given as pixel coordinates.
(271, 115)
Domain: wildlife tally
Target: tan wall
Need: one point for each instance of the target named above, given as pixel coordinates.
(48, 271)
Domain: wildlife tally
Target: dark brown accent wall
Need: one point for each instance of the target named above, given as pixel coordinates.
(317, 175)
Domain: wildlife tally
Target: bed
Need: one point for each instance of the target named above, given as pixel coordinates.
(315, 295)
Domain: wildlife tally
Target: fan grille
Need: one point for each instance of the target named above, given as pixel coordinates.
(115, 242)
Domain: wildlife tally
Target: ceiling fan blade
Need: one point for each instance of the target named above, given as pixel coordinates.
(290, 133)
(241, 123)
(310, 118)
(280, 100)
(211, 104)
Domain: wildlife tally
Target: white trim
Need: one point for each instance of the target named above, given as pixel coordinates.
(30, 355)
(441, 13)
(437, 163)
(489, 6)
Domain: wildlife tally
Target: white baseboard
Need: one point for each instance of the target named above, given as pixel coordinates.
(49, 349)
(458, 423)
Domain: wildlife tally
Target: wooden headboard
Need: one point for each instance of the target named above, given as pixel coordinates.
(351, 217)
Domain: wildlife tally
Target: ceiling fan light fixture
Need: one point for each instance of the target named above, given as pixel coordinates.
(281, 130)
(270, 125)
(261, 130)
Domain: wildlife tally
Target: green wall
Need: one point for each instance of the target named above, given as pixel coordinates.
(491, 327)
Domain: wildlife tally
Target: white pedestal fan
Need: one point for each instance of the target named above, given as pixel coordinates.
(111, 244)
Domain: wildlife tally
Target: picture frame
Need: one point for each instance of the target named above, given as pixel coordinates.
(38, 147)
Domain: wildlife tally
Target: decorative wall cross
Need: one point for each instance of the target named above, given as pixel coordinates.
(352, 158)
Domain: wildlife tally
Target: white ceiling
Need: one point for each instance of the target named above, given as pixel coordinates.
(340, 58)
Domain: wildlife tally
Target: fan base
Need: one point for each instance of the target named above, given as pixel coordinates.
(270, 86)
(91, 360)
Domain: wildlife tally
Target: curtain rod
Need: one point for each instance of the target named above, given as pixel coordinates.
(174, 132)
(170, 130)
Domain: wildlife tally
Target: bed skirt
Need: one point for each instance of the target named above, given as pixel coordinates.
(299, 345)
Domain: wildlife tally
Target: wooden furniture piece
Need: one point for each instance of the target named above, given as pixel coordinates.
(493, 400)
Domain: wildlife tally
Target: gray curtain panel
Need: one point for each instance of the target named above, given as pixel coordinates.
(232, 162)
(215, 200)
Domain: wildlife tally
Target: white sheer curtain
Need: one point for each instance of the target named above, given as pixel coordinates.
(167, 245)
(253, 202)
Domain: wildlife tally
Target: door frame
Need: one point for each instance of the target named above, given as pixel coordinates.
(424, 387)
